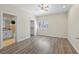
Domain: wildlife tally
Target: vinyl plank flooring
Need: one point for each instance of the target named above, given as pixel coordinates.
(40, 45)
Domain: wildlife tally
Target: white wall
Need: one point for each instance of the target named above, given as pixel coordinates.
(23, 21)
(57, 25)
(73, 27)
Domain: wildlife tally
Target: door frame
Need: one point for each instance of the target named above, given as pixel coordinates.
(33, 29)
(2, 12)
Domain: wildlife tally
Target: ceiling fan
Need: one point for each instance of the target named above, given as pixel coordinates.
(44, 7)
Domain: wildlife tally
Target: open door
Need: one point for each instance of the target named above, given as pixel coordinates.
(32, 27)
(9, 29)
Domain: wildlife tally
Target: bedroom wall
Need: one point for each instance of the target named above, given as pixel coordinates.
(23, 18)
(73, 27)
(57, 25)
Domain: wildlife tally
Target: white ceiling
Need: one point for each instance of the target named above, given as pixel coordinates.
(35, 10)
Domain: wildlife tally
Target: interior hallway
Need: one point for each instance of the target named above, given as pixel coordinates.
(40, 45)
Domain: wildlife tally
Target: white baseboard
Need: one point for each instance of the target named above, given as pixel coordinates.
(24, 39)
(73, 46)
(56, 36)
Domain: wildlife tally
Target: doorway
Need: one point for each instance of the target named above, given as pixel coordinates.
(8, 29)
(32, 28)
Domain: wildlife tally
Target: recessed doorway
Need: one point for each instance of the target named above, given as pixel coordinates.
(8, 29)
(32, 28)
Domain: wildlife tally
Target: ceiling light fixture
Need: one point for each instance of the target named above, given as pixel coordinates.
(44, 7)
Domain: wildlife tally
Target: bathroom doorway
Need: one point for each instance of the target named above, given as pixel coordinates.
(8, 29)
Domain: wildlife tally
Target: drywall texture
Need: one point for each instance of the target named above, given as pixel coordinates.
(23, 21)
(57, 25)
(73, 27)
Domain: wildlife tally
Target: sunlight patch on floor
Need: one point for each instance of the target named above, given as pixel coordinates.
(8, 42)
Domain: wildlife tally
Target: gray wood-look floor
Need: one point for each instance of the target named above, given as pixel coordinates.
(40, 45)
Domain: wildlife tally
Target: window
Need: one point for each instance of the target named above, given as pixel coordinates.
(43, 24)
